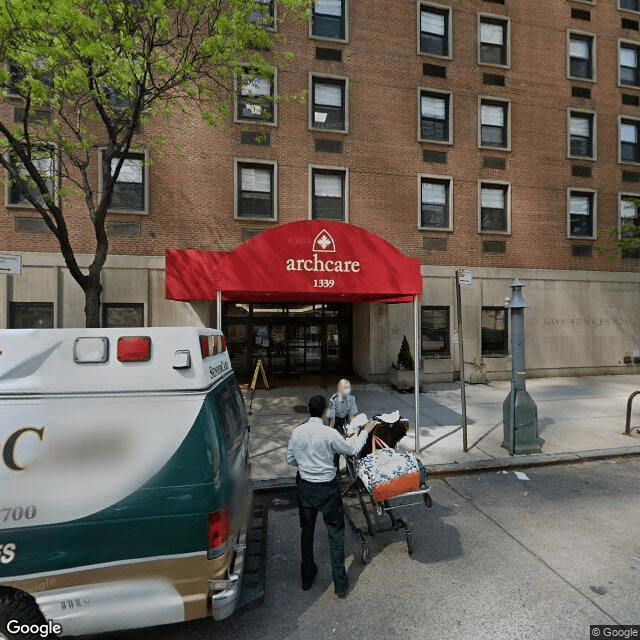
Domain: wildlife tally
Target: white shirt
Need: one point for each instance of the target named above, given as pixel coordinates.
(312, 446)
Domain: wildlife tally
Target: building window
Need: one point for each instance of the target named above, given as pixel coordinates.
(495, 332)
(629, 72)
(581, 214)
(31, 315)
(122, 315)
(581, 135)
(435, 205)
(581, 56)
(130, 190)
(435, 332)
(629, 149)
(46, 163)
(435, 30)
(434, 116)
(328, 194)
(494, 119)
(328, 104)
(494, 207)
(328, 19)
(631, 5)
(494, 46)
(255, 190)
(630, 223)
(255, 99)
(264, 14)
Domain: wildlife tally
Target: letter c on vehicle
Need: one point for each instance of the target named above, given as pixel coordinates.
(9, 451)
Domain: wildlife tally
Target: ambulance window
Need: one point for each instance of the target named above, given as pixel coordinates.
(232, 425)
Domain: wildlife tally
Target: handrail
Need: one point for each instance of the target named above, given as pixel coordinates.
(627, 429)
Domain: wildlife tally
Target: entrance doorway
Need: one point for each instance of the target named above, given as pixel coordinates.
(292, 339)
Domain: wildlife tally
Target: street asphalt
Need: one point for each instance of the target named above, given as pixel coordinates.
(496, 558)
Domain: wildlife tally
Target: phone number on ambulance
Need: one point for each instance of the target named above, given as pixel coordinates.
(324, 284)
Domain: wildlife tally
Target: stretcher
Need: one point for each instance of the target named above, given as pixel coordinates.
(381, 501)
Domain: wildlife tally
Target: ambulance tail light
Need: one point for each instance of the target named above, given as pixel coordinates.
(212, 345)
(90, 350)
(218, 533)
(134, 349)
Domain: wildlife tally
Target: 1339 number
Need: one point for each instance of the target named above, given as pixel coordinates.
(324, 284)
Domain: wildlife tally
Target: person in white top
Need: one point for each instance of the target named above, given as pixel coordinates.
(311, 449)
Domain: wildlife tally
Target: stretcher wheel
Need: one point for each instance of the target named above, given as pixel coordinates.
(428, 502)
(409, 542)
(364, 554)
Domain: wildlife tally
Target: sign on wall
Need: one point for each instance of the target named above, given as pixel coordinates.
(10, 265)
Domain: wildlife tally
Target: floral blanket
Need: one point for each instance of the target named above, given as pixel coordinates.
(385, 465)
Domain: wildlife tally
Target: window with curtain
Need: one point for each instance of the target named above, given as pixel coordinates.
(434, 116)
(630, 223)
(629, 149)
(493, 207)
(46, 164)
(129, 189)
(328, 100)
(255, 191)
(493, 124)
(581, 214)
(581, 134)
(581, 56)
(434, 30)
(255, 100)
(434, 203)
(493, 41)
(328, 19)
(629, 72)
(328, 194)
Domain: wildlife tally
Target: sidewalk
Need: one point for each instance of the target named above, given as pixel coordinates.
(579, 418)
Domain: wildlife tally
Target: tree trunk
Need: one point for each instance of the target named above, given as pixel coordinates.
(92, 296)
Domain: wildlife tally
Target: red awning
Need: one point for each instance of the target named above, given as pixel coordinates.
(305, 261)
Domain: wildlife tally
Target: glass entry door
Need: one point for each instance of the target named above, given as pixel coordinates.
(290, 339)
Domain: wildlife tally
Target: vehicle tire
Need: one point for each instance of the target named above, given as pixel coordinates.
(364, 555)
(428, 502)
(20, 606)
(409, 542)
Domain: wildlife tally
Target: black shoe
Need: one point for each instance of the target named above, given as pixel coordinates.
(343, 591)
(307, 581)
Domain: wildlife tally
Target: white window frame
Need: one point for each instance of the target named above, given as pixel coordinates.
(438, 178)
(635, 45)
(56, 182)
(595, 212)
(327, 76)
(492, 16)
(633, 11)
(439, 7)
(345, 40)
(506, 101)
(145, 168)
(594, 58)
(594, 141)
(501, 183)
(328, 167)
(236, 99)
(441, 92)
(619, 139)
(236, 187)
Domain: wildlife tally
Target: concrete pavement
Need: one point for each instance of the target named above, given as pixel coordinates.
(576, 416)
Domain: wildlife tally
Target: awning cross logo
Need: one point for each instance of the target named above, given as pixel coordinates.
(324, 243)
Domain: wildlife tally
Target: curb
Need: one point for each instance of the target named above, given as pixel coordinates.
(481, 466)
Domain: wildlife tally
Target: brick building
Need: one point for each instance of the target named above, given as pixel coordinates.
(498, 135)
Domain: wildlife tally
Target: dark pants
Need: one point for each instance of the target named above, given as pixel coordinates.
(340, 425)
(325, 498)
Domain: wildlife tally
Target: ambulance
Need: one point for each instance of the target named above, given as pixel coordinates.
(124, 479)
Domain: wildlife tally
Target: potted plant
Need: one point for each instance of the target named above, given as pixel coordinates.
(475, 372)
(401, 372)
